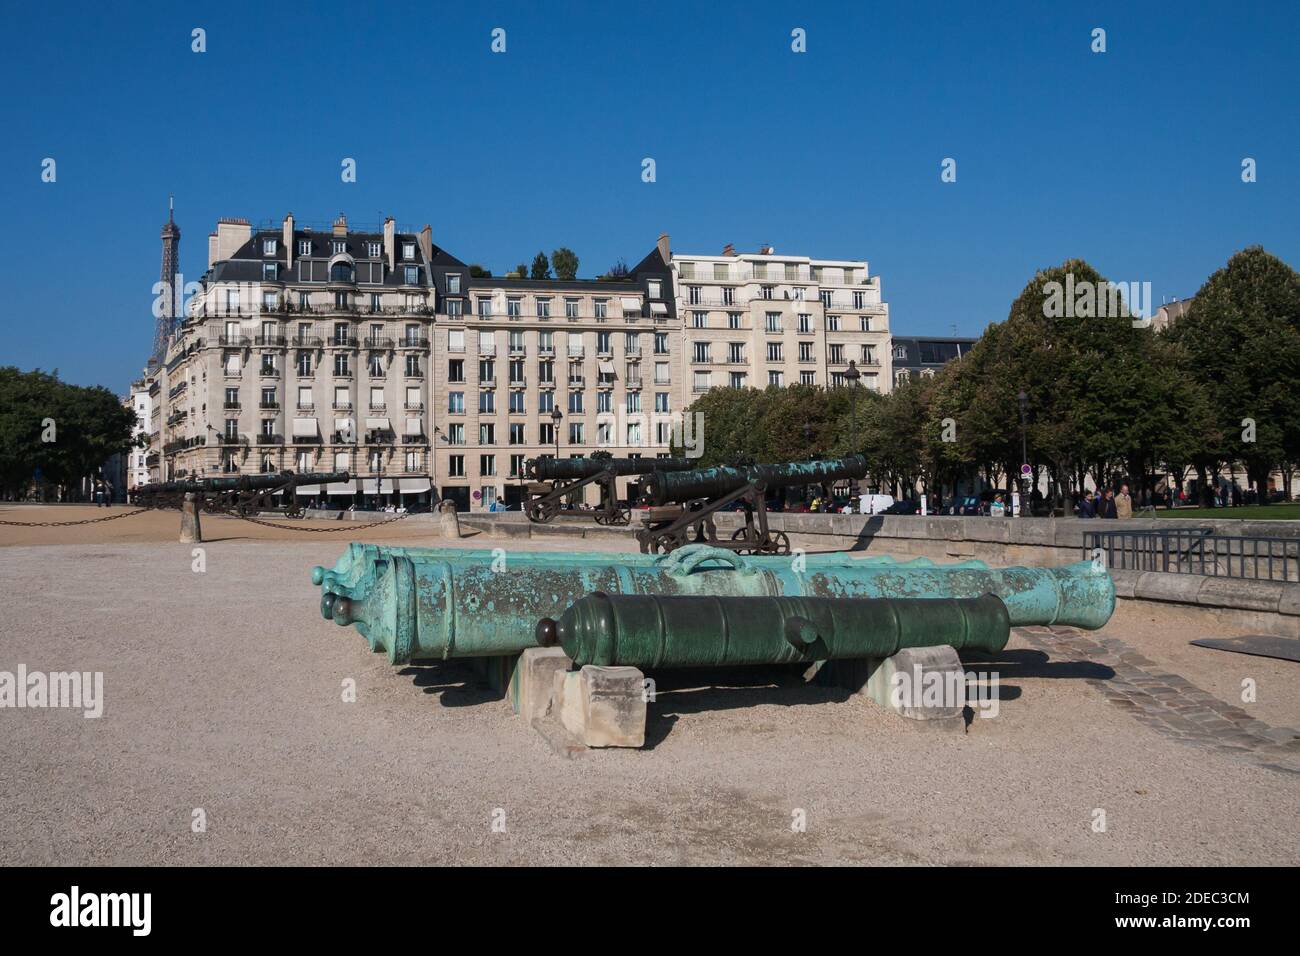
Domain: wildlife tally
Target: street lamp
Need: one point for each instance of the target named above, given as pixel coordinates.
(852, 376)
(555, 420)
(1023, 401)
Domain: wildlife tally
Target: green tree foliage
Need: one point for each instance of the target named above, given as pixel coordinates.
(89, 426)
(1242, 335)
(565, 262)
(476, 271)
(541, 267)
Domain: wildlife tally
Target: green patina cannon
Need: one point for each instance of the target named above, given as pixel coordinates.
(243, 494)
(649, 631)
(568, 476)
(441, 603)
(682, 503)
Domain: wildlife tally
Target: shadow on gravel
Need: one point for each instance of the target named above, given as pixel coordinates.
(455, 682)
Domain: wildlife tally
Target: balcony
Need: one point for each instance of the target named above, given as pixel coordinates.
(231, 440)
(269, 371)
(273, 406)
(233, 372)
(271, 341)
(521, 382)
(306, 406)
(633, 352)
(546, 350)
(701, 360)
(234, 404)
(177, 390)
(308, 342)
(342, 372)
(378, 342)
(414, 342)
(632, 383)
(487, 383)
(576, 351)
(577, 381)
(234, 341)
(414, 372)
(487, 350)
(342, 406)
(604, 382)
(378, 406)
(270, 439)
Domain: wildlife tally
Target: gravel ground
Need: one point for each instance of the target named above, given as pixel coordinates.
(223, 692)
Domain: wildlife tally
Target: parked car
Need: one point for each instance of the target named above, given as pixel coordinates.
(906, 507)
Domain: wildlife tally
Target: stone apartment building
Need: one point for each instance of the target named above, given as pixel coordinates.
(377, 352)
(753, 320)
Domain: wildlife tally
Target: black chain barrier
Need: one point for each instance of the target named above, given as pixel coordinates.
(227, 513)
(65, 524)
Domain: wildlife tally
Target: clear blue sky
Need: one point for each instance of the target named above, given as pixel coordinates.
(1129, 159)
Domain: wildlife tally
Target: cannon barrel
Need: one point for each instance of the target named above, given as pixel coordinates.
(649, 630)
(244, 482)
(442, 603)
(660, 488)
(550, 468)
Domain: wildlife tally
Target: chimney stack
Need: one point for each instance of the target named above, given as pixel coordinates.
(288, 239)
(426, 243)
(728, 250)
(341, 225)
(662, 245)
(390, 243)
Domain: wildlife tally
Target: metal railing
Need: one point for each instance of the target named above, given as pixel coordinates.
(1198, 551)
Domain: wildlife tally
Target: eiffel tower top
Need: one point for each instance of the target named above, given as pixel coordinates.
(170, 229)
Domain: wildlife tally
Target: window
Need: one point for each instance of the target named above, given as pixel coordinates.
(546, 372)
(575, 433)
(514, 307)
(661, 343)
(517, 465)
(701, 353)
(601, 307)
(775, 378)
(487, 434)
(341, 364)
(304, 397)
(232, 301)
(377, 398)
(413, 365)
(413, 462)
(268, 247)
(268, 365)
(268, 398)
(376, 366)
(455, 308)
(543, 308)
(408, 250)
(900, 352)
(859, 299)
(692, 294)
(602, 343)
(232, 427)
(304, 461)
(455, 370)
(455, 403)
(270, 272)
(604, 402)
(486, 370)
(413, 399)
(546, 402)
(733, 320)
(515, 370)
(517, 405)
(487, 402)
(700, 320)
(728, 296)
(342, 333)
(805, 351)
(805, 323)
(720, 271)
(341, 397)
(372, 250)
(663, 433)
(456, 466)
(634, 433)
(453, 283)
(515, 340)
(807, 378)
(342, 272)
(575, 403)
(864, 323)
(736, 352)
(304, 247)
(412, 275)
(655, 289)
(868, 355)
(832, 323)
(338, 246)
(826, 298)
(604, 433)
(456, 340)
(546, 433)
(661, 402)
(342, 460)
(774, 352)
(516, 436)
(571, 308)
(456, 433)
(737, 380)
(773, 321)
(484, 308)
(232, 398)
(661, 373)
(701, 382)
(632, 343)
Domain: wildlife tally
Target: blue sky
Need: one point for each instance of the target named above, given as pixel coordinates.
(1130, 159)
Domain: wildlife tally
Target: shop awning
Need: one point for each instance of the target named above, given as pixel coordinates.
(606, 368)
(415, 426)
(305, 428)
(340, 488)
(308, 490)
(659, 308)
(631, 303)
(378, 424)
(413, 486)
(344, 427)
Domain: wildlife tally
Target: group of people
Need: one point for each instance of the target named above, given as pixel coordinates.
(1106, 504)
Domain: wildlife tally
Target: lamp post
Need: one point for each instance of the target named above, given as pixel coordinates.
(556, 415)
(852, 376)
(1023, 401)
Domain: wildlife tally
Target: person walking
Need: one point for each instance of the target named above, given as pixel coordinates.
(1086, 507)
(1123, 503)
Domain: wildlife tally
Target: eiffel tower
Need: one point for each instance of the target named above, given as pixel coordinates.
(168, 319)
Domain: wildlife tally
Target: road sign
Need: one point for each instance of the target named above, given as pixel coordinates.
(1025, 471)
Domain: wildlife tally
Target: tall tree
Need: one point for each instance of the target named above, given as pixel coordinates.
(541, 266)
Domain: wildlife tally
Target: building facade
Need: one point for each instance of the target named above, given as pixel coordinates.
(376, 352)
(916, 357)
(753, 320)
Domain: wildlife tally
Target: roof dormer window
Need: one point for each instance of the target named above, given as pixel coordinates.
(408, 250)
(304, 247)
(268, 247)
(372, 250)
(338, 246)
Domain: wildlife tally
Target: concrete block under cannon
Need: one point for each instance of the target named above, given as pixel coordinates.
(440, 603)
(651, 631)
